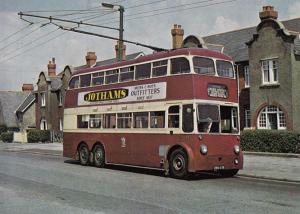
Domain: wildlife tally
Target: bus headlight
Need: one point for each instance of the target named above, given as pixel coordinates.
(203, 149)
(236, 149)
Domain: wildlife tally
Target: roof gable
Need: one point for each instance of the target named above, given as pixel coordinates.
(234, 42)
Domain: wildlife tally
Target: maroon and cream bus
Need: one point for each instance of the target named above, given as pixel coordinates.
(175, 110)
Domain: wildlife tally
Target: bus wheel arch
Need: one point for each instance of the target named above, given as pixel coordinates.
(83, 153)
(178, 162)
(98, 154)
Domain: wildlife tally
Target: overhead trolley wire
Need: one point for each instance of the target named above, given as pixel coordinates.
(31, 42)
(29, 49)
(172, 11)
(23, 36)
(13, 34)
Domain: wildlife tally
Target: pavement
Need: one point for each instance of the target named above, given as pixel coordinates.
(270, 166)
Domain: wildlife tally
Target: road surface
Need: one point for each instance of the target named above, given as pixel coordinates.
(37, 183)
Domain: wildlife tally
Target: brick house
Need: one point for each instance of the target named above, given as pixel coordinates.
(50, 98)
(267, 58)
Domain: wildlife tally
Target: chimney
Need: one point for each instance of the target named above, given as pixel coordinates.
(27, 87)
(177, 36)
(52, 68)
(123, 49)
(90, 59)
(268, 12)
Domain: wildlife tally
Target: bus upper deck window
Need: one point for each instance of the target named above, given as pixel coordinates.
(204, 66)
(98, 78)
(85, 80)
(143, 71)
(159, 68)
(126, 74)
(225, 69)
(180, 65)
(111, 76)
(74, 83)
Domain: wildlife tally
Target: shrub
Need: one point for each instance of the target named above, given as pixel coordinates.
(36, 135)
(270, 141)
(3, 129)
(7, 137)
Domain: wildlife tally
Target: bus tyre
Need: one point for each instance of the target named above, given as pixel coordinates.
(229, 173)
(99, 156)
(83, 154)
(178, 164)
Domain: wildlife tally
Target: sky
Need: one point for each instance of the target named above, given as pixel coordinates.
(26, 49)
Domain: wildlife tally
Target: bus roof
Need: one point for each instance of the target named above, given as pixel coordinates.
(159, 55)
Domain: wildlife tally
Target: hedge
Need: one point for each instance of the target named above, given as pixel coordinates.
(3, 129)
(36, 135)
(270, 141)
(7, 137)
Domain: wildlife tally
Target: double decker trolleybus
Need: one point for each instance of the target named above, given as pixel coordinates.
(175, 110)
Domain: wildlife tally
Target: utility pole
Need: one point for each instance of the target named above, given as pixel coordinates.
(121, 27)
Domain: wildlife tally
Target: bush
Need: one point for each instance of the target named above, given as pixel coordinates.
(3, 129)
(36, 135)
(7, 137)
(270, 141)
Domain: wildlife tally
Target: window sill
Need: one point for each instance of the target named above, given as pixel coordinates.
(270, 85)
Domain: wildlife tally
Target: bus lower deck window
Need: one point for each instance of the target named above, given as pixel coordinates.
(208, 118)
(173, 120)
(82, 121)
(140, 120)
(124, 120)
(157, 119)
(109, 121)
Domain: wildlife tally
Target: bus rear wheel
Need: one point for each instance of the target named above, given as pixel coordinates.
(83, 154)
(178, 164)
(99, 156)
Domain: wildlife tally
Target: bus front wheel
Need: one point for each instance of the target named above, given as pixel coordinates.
(99, 156)
(83, 154)
(178, 164)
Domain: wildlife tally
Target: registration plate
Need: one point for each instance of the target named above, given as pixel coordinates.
(218, 168)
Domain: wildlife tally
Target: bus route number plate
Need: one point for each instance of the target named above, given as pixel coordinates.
(218, 168)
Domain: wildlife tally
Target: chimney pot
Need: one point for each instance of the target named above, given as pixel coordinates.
(123, 49)
(268, 12)
(90, 59)
(27, 87)
(177, 36)
(52, 68)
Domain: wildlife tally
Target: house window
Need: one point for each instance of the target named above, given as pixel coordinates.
(43, 124)
(60, 124)
(43, 99)
(271, 117)
(269, 71)
(247, 76)
(247, 118)
(60, 98)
